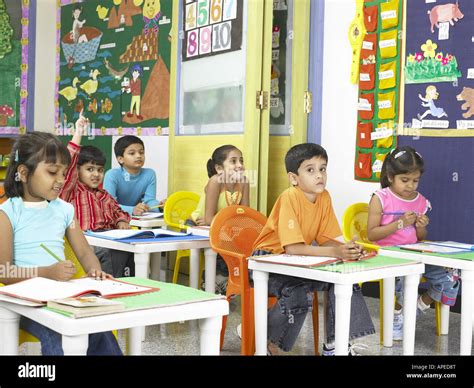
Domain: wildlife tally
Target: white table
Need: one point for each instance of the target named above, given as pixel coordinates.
(467, 294)
(75, 332)
(142, 253)
(343, 283)
(148, 224)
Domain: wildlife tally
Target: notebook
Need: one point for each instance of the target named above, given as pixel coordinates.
(125, 234)
(41, 290)
(199, 230)
(85, 306)
(148, 216)
(443, 247)
(303, 261)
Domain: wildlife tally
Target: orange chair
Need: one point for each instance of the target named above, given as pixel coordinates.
(233, 232)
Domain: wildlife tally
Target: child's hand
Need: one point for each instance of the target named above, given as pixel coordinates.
(62, 271)
(98, 274)
(82, 124)
(350, 251)
(422, 221)
(200, 221)
(409, 218)
(140, 208)
(123, 225)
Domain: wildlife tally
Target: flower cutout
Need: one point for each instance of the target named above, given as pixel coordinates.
(444, 61)
(411, 58)
(419, 57)
(439, 57)
(450, 57)
(429, 49)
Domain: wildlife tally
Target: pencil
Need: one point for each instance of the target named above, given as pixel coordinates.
(50, 252)
(157, 206)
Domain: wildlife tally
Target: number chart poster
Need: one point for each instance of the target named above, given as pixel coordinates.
(212, 27)
(114, 65)
(16, 23)
(439, 69)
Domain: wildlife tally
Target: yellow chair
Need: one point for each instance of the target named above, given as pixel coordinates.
(178, 208)
(354, 223)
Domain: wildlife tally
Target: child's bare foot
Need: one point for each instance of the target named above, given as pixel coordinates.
(273, 350)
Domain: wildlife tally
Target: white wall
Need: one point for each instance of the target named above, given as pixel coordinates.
(45, 76)
(45, 65)
(339, 113)
(156, 157)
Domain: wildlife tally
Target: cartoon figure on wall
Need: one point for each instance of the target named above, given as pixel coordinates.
(76, 34)
(467, 95)
(445, 13)
(135, 88)
(151, 16)
(428, 101)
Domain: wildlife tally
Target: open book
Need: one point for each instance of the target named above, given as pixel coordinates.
(303, 261)
(444, 247)
(124, 234)
(148, 216)
(199, 230)
(41, 290)
(85, 306)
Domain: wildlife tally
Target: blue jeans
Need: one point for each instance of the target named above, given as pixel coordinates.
(100, 344)
(295, 300)
(443, 285)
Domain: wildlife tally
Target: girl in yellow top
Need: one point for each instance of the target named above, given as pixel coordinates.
(227, 186)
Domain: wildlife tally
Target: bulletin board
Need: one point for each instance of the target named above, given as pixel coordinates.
(211, 27)
(113, 61)
(16, 24)
(379, 86)
(438, 71)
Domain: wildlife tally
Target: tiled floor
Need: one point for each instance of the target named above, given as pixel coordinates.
(180, 338)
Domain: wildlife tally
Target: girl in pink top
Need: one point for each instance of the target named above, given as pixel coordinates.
(397, 216)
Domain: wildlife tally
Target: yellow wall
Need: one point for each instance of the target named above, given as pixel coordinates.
(190, 155)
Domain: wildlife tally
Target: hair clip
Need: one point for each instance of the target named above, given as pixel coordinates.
(400, 153)
(416, 152)
(16, 156)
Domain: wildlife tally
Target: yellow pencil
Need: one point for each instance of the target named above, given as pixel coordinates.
(50, 252)
(157, 206)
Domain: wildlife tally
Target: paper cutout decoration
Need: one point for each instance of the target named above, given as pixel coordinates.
(467, 95)
(6, 31)
(356, 34)
(428, 102)
(70, 92)
(90, 86)
(445, 13)
(6, 112)
(430, 66)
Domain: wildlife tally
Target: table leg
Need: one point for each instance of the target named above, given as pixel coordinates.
(409, 313)
(467, 296)
(444, 319)
(388, 303)
(260, 281)
(210, 270)
(142, 265)
(210, 335)
(194, 268)
(155, 266)
(9, 332)
(135, 341)
(343, 296)
(75, 345)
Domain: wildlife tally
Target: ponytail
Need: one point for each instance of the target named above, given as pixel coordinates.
(218, 157)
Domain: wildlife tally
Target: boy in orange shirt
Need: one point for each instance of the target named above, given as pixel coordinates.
(302, 215)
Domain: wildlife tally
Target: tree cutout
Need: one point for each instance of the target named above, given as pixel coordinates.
(6, 31)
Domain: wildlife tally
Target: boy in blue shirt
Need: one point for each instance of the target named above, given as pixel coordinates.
(133, 186)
